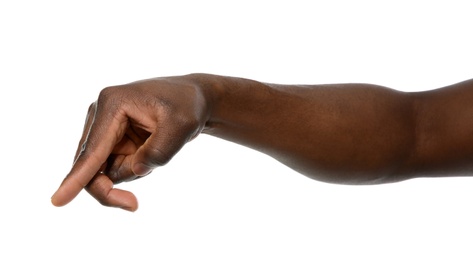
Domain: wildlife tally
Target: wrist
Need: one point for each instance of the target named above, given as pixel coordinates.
(233, 102)
(212, 89)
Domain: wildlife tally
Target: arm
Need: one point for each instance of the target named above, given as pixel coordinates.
(339, 133)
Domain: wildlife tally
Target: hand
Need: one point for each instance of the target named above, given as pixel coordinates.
(130, 130)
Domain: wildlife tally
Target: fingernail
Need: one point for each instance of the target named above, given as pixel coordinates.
(141, 169)
(129, 209)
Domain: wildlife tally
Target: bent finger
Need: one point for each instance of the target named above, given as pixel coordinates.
(119, 169)
(101, 188)
(161, 146)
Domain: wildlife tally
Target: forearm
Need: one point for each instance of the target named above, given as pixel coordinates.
(444, 143)
(352, 133)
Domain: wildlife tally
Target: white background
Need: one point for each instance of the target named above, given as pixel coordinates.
(216, 199)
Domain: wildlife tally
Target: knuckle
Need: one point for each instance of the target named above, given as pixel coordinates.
(104, 202)
(107, 92)
(86, 150)
(114, 176)
(110, 97)
(83, 152)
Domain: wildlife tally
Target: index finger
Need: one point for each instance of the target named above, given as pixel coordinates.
(106, 129)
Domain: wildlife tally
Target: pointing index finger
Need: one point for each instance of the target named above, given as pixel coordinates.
(107, 128)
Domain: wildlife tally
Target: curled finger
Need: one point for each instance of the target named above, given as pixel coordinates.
(101, 188)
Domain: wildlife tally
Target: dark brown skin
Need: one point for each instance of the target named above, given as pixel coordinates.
(337, 133)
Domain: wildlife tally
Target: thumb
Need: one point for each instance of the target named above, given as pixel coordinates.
(159, 149)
